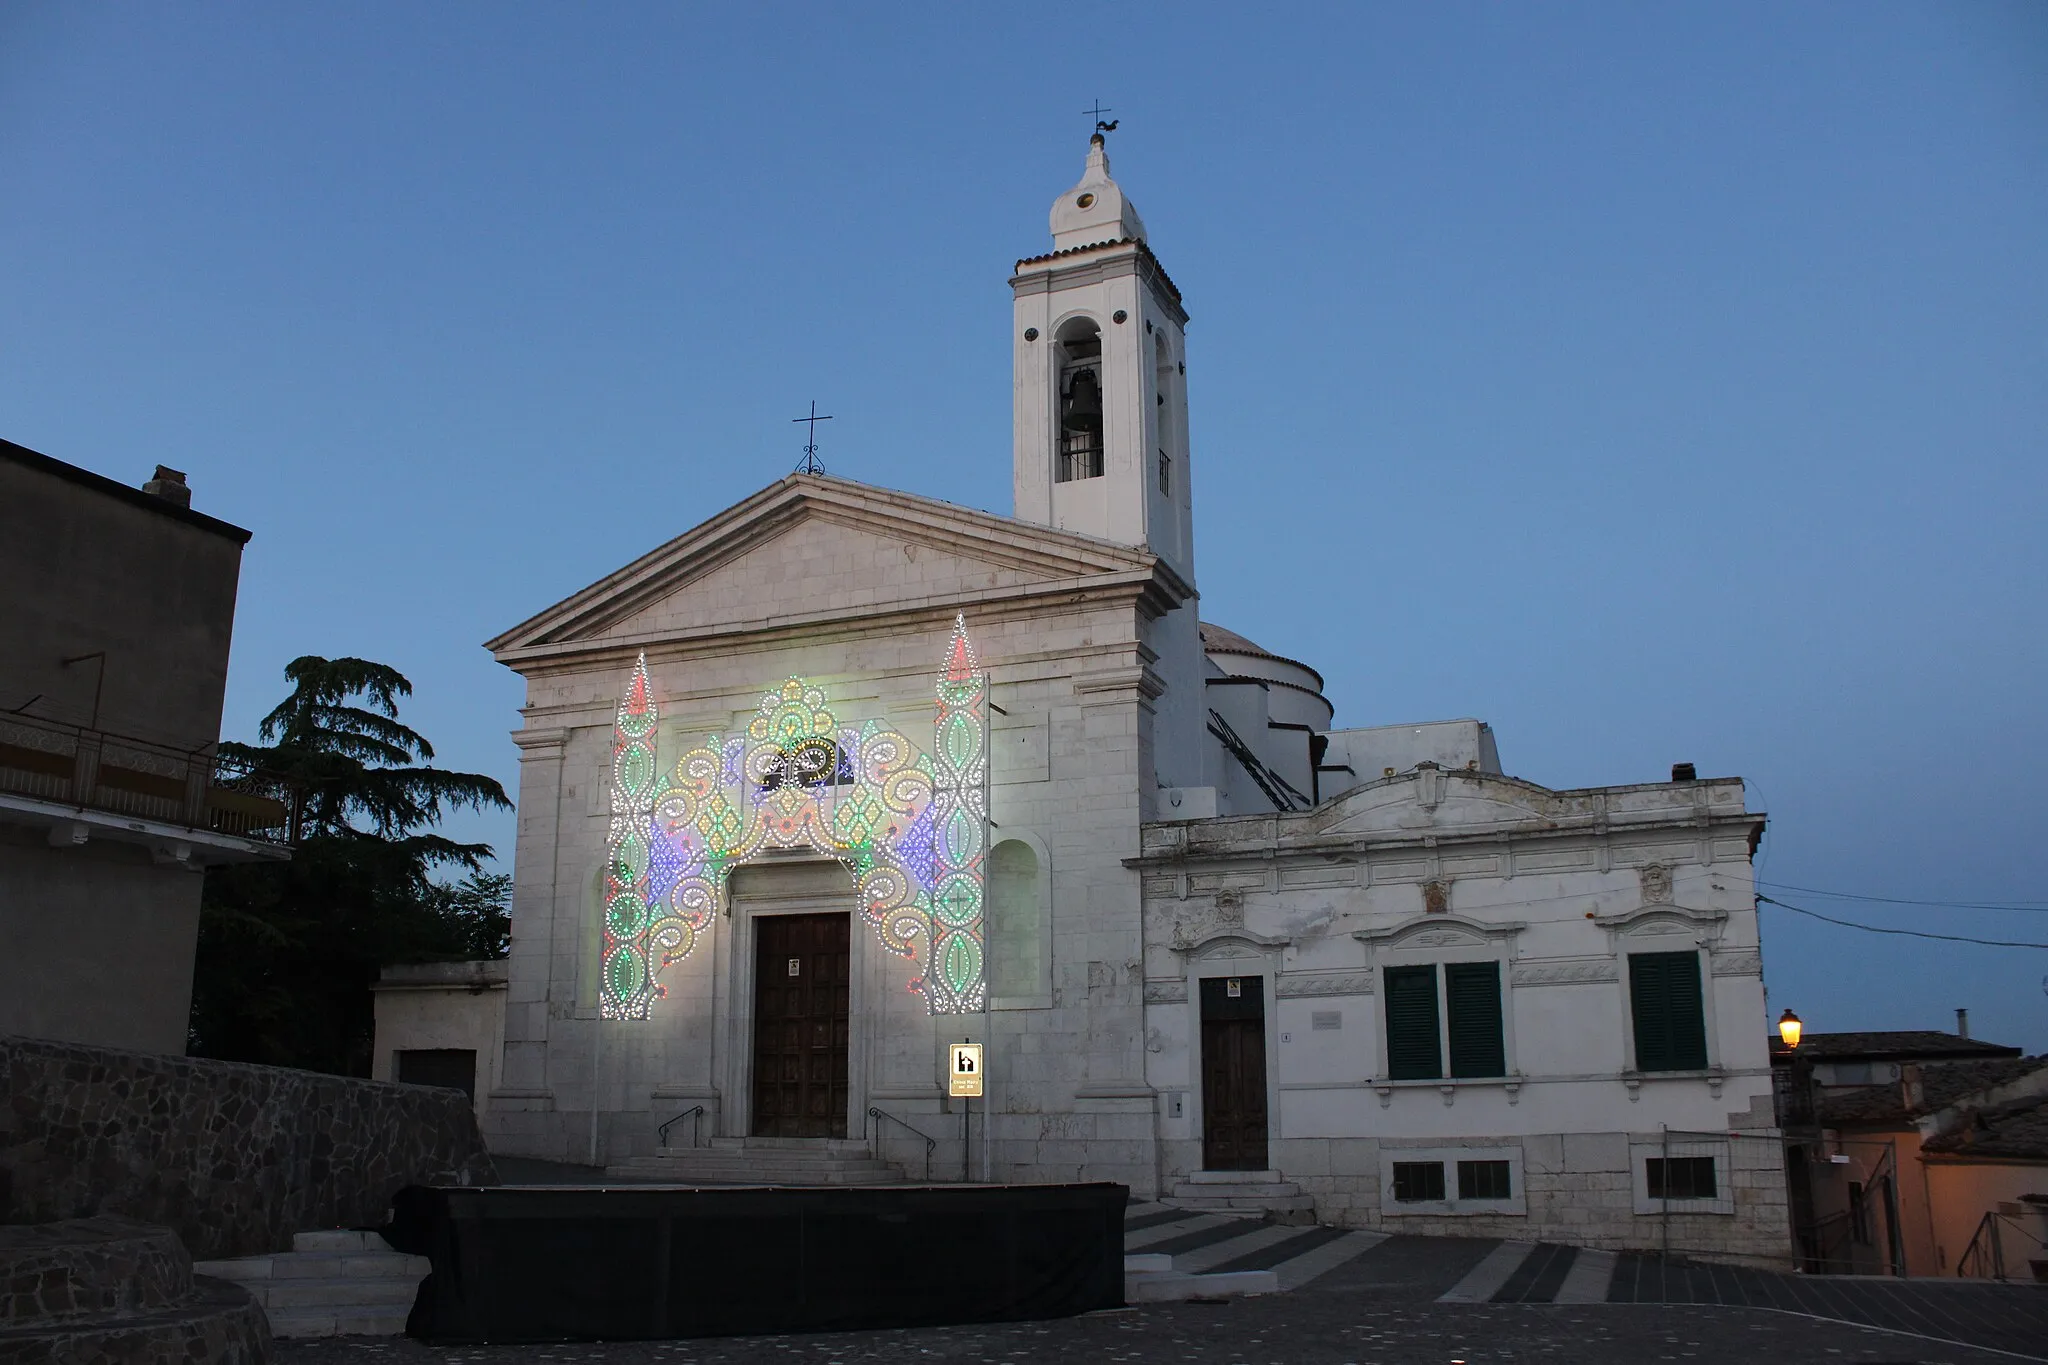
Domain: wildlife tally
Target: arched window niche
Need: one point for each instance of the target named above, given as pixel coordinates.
(1078, 453)
(1019, 926)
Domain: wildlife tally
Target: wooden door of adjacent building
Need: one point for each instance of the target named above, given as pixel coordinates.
(800, 1014)
(1233, 1074)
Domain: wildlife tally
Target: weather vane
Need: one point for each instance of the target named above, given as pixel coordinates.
(812, 464)
(1097, 112)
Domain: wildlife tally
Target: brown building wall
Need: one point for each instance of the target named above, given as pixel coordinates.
(97, 939)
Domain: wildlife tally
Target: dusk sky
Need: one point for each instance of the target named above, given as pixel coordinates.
(1657, 383)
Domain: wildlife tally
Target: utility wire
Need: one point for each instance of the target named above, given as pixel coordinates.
(1907, 933)
(2037, 906)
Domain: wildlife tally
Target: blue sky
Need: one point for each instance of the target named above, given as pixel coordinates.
(1655, 382)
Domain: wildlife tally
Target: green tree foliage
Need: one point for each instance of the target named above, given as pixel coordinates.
(287, 951)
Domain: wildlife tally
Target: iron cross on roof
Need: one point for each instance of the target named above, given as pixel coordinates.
(1096, 113)
(812, 464)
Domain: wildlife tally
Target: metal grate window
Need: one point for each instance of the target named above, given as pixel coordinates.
(1418, 1182)
(1681, 1177)
(1485, 1180)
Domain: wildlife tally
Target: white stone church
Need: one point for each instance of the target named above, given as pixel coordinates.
(843, 775)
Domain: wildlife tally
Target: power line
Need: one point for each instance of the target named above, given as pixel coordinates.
(2040, 907)
(1906, 933)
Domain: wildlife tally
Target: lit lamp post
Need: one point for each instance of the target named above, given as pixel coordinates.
(1799, 1122)
(1789, 1028)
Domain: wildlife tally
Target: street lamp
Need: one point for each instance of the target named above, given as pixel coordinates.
(1789, 1028)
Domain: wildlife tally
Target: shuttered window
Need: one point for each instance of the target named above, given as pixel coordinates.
(1412, 1050)
(1470, 1021)
(1670, 1021)
(1472, 1000)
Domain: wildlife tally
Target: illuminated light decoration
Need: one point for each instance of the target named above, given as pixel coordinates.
(911, 826)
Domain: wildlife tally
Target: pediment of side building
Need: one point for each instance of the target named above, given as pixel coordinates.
(1450, 801)
(809, 548)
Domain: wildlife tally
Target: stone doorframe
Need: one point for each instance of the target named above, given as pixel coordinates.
(1237, 953)
(787, 884)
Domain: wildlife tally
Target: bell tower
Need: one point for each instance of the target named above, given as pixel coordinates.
(1101, 425)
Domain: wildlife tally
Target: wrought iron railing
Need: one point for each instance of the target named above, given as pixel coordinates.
(88, 769)
(930, 1144)
(695, 1113)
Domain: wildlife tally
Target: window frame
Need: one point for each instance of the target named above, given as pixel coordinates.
(1438, 940)
(1678, 1148)
(1703, 964)
(1516, 1205)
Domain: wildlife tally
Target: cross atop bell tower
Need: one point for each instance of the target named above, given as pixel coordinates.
(1101, 431)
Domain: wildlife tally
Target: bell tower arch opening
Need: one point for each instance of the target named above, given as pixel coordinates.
(1079, 439)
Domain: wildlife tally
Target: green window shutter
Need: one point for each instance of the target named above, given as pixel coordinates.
(1472, 998)
(1412, 1050)
(1670, 1020)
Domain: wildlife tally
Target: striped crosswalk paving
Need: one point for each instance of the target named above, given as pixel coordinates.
(1208, 1243)
(1535, 1272)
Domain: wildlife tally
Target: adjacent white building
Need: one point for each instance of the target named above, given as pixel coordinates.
(842, 775)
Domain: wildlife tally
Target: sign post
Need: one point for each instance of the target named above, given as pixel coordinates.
(963, 1082)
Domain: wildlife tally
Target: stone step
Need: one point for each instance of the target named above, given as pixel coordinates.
(344, 1322)
(318, 1265)
(724, 1162)
(1277, 1189)
(1234, 1178)
(1174, 1286)
(746, 1175)
(215, 1322)
(1227, 1203)
(384, 1293)
(338, 1239)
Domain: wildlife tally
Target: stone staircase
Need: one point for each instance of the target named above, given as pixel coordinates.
(108, 1289)
(330, 1284)
(761, 1161)
(1244, 1194)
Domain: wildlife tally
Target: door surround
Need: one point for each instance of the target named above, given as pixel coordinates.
(1234, 953)
(781, 884)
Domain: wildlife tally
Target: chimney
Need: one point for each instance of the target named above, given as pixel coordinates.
(1684, 772)
(1962, 1023)
(169, 484)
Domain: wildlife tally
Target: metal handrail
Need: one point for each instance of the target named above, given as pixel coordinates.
(696, 1114)
(1971, 1264)
(930, 1143)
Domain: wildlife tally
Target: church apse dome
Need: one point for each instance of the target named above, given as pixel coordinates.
(1296, 690)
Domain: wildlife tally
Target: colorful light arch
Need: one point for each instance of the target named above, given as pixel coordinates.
(911, 825)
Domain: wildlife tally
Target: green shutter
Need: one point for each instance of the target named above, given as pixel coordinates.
(1472, 998)
(1412, 1050)
(1670, 1021)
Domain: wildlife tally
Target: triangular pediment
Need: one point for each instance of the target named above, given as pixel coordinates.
(1447, 800)
(812, 548)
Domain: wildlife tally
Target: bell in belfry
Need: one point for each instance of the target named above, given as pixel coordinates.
(1082, 410)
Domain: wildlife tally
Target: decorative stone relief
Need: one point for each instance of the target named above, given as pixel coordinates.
(1297, 985)
(1436, 897)
(1439, 938)
(1174, 992)
(1737, 964)
(1656, 883)
(1564, 973)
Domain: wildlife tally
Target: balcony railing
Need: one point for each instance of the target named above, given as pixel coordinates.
(71, 765)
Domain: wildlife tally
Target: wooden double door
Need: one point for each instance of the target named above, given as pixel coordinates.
(1233, 1074)
(801, 968)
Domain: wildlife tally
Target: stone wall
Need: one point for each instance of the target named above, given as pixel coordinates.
(234, 1158)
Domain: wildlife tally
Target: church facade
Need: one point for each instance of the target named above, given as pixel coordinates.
(843, 776)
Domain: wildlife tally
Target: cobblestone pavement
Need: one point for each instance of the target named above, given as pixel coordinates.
(1378, 1300)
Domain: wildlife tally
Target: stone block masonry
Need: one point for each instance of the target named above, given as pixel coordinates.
(233, 1158)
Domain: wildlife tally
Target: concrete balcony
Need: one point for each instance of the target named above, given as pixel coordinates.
(188, 807)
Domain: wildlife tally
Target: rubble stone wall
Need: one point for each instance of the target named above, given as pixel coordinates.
(233, 1158)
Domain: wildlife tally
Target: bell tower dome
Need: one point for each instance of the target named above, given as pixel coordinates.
(1100, 429)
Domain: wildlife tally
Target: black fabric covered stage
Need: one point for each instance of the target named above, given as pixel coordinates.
(581, 1263)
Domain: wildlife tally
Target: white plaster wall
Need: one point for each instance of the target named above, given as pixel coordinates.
(454, 1016)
